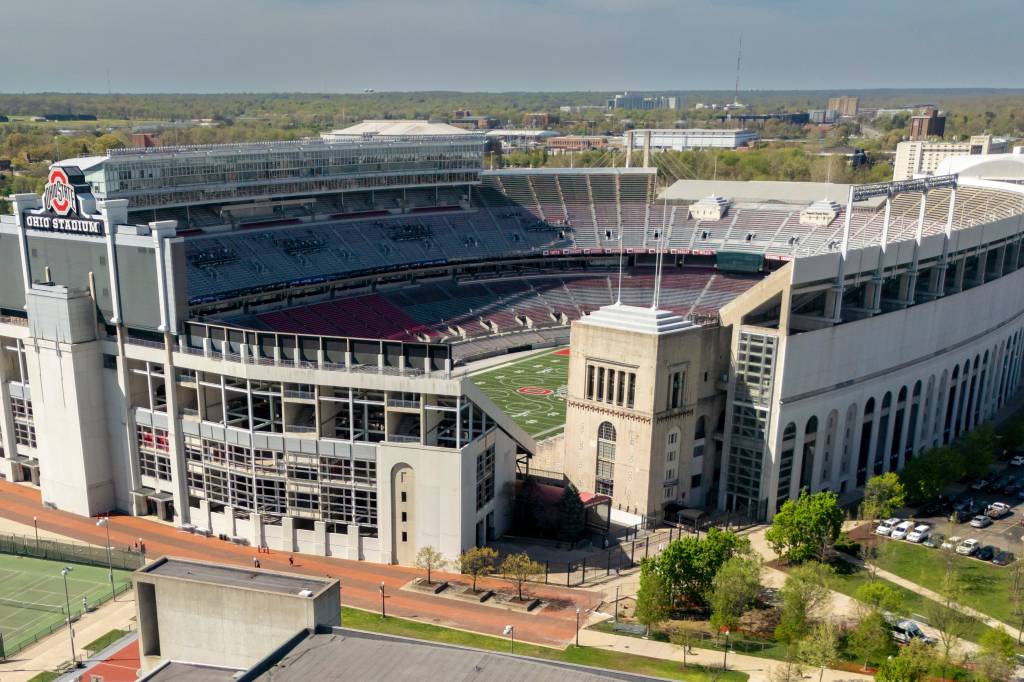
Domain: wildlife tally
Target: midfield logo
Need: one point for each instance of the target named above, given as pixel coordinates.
(59, 194)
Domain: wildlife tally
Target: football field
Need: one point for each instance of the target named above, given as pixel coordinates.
(531, 391)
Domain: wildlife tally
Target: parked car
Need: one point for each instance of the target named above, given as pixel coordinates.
(980, 484)
(968, 547)
(934, 540)
(906, 631)
(997, 510)
(1017, 461)
(1003, 558)
(981, 521)
(952, 542)
(987, 553)
(919, 533)
(963, 510)
(1011, 488)
(900, 531)
(885, 527)
(940, 507)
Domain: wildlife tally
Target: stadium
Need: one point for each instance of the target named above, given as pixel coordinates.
(304, 344)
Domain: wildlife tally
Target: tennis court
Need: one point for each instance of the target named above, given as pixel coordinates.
(32, 602)
(531, 391)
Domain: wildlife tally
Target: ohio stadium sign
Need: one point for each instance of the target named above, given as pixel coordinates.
(61, 209)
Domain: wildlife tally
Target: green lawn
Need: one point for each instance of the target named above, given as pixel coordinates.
(598, 658)
(531, 391)
(986, 587)
(848, 581)
(740, 644)
(103, 641)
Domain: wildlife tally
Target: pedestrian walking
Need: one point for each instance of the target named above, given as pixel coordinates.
(255, 562)
(291, 561)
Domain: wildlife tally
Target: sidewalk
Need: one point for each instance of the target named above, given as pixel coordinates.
(759, 669)
(51, 652)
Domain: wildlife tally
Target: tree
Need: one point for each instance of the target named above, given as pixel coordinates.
(734, 591)
(518, 568)
(978, 448)
(946, 616)
(806, 528)
(910, 665)
(689, 565)
(877, 596)
(477, 561)
(820, 649)
(872, 639)
(684, 638)
(430, 559)
(803, 595)
(1017, 593)
(929, 473)
(571, 515)
(652, 599)
(997, 658)
(883, 496)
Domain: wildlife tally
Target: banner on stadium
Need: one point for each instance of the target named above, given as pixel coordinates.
(62, 205)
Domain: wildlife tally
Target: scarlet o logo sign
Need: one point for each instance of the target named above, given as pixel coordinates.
(59, 195)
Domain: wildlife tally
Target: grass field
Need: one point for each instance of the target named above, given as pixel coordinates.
(986, 587)
(531, 391)
(584, 655)
(38, 581)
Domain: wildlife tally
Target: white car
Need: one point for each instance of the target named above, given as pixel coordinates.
(900, 531)
(998, 510)
(1017, 461)
(952, 542)
(885, 527)
(920, 533)
(968, 547)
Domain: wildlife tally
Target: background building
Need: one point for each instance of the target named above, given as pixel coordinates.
(929, 124)
(915, 158)
(631, 101)
(847, 106)
(679, 139)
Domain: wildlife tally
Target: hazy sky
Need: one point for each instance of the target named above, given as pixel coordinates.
(349, 45)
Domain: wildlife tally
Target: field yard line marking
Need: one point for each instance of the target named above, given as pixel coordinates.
(512, 362)
(547, 431)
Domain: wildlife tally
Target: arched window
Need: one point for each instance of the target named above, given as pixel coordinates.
(786, 463)
(807, 463)
(605, 473)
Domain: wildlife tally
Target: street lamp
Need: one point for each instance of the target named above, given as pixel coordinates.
(510, 630)
(67, 602)
(35, 522)
(383, 612)
(105, 522)
(725, 653)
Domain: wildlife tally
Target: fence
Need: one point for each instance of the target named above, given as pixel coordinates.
(70, 552)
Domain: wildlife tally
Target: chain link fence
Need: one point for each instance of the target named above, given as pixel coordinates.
(70, 552)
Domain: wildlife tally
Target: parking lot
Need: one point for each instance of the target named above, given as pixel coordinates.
(1004, 533)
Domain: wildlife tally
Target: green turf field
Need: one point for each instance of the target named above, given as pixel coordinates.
(39, 582)
(531, 391)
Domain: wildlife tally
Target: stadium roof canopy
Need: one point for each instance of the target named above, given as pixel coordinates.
(405, 127)
(1005, 167)
(761, 192)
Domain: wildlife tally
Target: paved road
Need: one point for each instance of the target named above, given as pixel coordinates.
(360, 581)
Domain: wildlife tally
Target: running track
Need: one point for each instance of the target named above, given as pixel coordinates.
(360, 581)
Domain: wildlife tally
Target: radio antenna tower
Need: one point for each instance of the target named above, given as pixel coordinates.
(739, 57)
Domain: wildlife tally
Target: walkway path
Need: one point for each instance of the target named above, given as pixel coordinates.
(360, 580)
(759, 669)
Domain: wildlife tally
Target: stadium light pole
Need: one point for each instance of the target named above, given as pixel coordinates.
(67, 602)
(105, 522)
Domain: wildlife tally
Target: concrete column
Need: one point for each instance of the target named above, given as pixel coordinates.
(355, 543)
(256, 535)
(628, 148)
(320, 538)
(175, 441)
(204, 520)
(287, 534)
(647, 149)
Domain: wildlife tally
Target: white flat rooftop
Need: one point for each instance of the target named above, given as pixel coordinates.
(637, 319)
